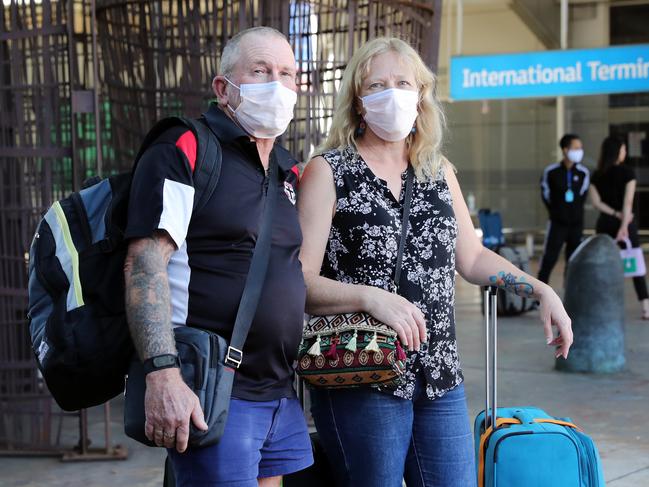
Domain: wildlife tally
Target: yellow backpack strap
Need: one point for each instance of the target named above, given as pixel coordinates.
(66, 253)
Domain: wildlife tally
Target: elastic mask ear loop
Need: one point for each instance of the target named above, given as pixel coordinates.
(238, 88)
(226, 79)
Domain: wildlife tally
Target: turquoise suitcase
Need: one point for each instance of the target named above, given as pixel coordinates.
(528, 448)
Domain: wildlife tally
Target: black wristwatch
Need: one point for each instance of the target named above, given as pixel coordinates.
(160, 362)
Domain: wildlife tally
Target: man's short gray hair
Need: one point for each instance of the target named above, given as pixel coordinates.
(230, 54)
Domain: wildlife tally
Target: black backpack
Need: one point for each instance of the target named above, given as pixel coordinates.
(76, 315)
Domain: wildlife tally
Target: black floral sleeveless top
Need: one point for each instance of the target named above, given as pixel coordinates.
(362, 249)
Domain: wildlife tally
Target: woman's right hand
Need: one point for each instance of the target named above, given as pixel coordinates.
(622, 233)
(399, 314)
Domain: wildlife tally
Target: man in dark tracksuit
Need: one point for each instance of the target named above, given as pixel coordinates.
(564, 188)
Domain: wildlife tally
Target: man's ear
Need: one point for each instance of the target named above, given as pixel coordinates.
(219, 85)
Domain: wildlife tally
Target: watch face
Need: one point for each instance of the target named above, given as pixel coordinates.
(164, 360)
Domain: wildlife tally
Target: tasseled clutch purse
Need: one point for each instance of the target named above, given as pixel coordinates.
(349, 350)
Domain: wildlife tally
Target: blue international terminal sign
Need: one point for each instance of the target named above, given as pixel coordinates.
(571, 72)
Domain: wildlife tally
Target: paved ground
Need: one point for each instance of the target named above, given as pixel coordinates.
(613, 408)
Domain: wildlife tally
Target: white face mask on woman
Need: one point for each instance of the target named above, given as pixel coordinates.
(266, 109)
(391, 113)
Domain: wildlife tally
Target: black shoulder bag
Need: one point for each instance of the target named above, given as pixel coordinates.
(208, 361)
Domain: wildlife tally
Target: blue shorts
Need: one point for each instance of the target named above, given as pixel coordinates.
(261, 439)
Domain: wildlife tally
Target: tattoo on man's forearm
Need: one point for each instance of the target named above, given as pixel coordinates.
(148, 303)
(511, 283)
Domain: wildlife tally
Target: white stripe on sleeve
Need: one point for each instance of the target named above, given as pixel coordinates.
(177, 204)
(179, 277)
(545, 187)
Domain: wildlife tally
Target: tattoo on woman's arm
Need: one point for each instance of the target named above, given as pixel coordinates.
(511, 283)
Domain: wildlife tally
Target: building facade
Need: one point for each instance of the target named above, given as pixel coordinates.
(500, 147)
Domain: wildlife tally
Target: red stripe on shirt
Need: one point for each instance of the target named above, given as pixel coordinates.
(187, 144)
(296, 171)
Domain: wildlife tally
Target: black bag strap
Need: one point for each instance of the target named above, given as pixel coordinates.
(256, 274)
(208, 155)
(405, 224)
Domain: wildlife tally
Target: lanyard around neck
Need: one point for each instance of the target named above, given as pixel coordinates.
(569, 175)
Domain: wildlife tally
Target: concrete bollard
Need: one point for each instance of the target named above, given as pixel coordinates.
(594, 301)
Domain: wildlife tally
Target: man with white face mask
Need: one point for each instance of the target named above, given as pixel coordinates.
(187, 268)
(564, 189)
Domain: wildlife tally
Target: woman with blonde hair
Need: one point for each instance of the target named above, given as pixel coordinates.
(384, 147)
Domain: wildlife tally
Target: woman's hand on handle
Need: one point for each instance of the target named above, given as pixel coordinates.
(398, 313)
(553, 313)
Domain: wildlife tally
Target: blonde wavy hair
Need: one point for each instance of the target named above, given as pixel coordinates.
(424, 146)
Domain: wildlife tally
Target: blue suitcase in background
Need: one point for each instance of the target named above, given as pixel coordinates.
(528, 448)
(492, 228)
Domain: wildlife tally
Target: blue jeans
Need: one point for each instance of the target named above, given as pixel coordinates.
(374, 439)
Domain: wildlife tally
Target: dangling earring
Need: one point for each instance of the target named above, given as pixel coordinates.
(413, 130)
(360, 130)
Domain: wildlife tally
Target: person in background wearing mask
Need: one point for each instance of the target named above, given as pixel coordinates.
(564, 189)
(186, 269)
(384, 143)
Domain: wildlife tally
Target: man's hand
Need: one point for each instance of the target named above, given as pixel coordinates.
(169, 405)
(168, 402)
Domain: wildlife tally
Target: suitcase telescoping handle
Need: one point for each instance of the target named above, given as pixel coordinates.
(491, 334)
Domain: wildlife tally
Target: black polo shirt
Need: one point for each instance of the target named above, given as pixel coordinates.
(214, 249)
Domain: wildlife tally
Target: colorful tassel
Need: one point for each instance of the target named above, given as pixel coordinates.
(331, 353)
(373, 346)
(351, 345)
(401, 355)
(314, 351)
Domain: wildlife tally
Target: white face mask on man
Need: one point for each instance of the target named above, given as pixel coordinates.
(391, 113)
(266, 109)
(575, 155)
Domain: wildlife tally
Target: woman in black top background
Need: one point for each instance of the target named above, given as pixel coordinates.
(612, 193)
